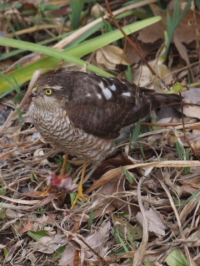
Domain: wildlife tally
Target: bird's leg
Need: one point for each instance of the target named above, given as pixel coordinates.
(61, 176)
(62, 172)
(80, 187)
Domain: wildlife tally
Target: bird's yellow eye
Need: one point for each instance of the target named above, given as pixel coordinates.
(48, 91)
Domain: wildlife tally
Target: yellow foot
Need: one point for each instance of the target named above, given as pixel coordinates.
(79, 195)
(47, 190)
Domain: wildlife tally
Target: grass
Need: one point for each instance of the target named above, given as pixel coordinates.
(70, 55)
(172, 24)
(150, 173)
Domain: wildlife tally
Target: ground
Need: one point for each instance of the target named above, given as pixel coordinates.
(143, 200)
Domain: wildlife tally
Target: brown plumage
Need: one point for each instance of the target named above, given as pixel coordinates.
(82, 114)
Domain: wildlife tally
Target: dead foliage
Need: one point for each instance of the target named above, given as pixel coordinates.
(143, 201)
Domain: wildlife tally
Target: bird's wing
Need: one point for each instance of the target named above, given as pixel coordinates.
(103, 106)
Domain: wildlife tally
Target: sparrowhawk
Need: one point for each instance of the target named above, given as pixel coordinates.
(83, 114)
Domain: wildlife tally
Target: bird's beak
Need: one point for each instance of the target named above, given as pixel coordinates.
(34, 93)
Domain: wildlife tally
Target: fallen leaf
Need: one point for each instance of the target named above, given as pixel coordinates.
(68, 256)
(186, 30)
(49, 244)
(126, 229)
(132, 56)
(110, 56)
(194, 239)
(26, 228)
(98, 10)
(13, 214)
(192, 96)
(155, 223)
(95, 241)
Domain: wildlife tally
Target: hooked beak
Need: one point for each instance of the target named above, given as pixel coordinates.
(34, 93)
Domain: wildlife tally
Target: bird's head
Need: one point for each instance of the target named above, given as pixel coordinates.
(50, 92)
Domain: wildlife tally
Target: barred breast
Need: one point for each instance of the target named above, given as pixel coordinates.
(57, 130)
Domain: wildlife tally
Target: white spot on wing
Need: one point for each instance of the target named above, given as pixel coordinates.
(113, 87)
(101, 85)
(99, 96)
(88, 95)
(126, 94)
(107, 93)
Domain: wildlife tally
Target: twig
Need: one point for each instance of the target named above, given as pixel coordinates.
(135, 47)
(14, 114)
(184, 131)
(139, 254)
(101, 259)
(178, 222)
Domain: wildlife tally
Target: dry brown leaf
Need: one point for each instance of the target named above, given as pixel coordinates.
(49, 244)
(132, 56)
(152, 33)
(143, 76)
(98, 10)
(118, 171)
(193, 239)
(181, 49)
(110, 188)
(167, 115)
(177, 190)
(29, 226)
(110, 56)
(14, 250)
(13, 214)
(186, 30)
(69, 39)
(155, 223)
(153, 184)
(162, 71)
(190, 207)
(114, 187)
(95, 241)
(126, 229)
(8, 225)
(192, 96)
(32, 258)
(194, 140)
(68, 256)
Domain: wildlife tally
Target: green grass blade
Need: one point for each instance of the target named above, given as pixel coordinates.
(98, 42)
(136, 133)
(24, 74)
(48, 51)
(75, 16)
(173, 22)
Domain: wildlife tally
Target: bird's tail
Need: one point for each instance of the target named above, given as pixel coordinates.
(161, 99)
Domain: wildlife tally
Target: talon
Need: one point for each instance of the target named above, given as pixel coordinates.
(79, 195)
(80, 188)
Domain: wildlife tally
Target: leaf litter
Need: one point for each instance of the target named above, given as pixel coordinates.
(147, 212)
